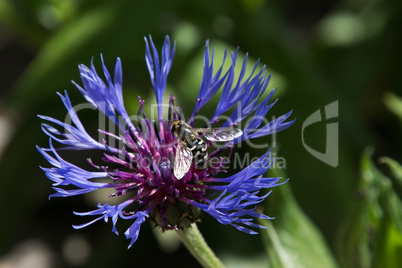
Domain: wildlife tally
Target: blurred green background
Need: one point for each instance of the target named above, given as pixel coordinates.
(317, 51)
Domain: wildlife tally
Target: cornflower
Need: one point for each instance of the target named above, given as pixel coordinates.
(141, 167)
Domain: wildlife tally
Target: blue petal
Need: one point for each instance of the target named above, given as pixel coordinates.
(106, 211)
(273, 126)
(65, 173)
(244, 96)
(210, 82)
(248, 104)
(133, 231)
(232, 96)
(158, 71)
(67, 193)
(76, 136)
(106, 98)
(116, 90)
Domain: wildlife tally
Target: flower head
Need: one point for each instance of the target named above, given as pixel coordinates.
(143, 166)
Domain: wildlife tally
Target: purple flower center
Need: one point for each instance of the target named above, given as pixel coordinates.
(144, 165)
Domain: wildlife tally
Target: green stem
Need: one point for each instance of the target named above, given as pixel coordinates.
(195, 243)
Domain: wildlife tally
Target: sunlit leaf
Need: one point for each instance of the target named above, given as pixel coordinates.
(292, 240)
(395, 167)
(373, 230)
(393, 103)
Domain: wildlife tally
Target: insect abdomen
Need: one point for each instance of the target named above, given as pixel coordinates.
(192, 141)
(199, 150)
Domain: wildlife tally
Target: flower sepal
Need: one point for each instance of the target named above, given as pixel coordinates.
(177, 215)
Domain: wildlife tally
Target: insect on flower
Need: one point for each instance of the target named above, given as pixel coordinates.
(166, 164)
(192, 146)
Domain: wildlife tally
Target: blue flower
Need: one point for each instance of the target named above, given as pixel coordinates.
(141, 165)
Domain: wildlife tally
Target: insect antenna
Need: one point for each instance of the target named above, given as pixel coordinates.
(179, 114)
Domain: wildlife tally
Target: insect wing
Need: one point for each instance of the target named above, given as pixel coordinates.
(182, 161)
(220, 134)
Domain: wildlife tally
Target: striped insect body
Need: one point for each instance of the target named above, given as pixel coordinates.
(191, 146)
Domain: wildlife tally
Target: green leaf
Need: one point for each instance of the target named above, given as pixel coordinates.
(394, 206)
(292, 240)
(393, 202)
(387, 249)
(355, 236)
(372, 235)
(393, 103)
(390, 248)
(395, 167)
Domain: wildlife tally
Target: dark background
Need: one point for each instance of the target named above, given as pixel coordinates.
(318, 52)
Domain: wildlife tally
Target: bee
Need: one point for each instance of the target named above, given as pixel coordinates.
(191, 146)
